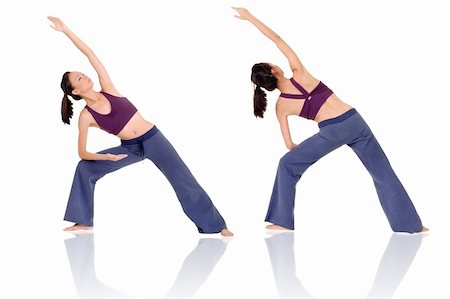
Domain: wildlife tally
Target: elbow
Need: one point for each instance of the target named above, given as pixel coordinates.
(89, 51)
(83, 155)
(277, 39)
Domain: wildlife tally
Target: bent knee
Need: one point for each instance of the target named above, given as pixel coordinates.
(83, 164)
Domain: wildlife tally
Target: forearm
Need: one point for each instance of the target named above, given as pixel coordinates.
(103, 76)
(294, 61)
(263, 28)
(285, 132)
(288, 140)
(92, 156)
(78, 42)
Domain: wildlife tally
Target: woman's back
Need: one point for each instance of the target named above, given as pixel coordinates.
(332, 107)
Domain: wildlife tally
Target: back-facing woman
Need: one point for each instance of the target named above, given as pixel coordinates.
(339, 124)
(140, 139)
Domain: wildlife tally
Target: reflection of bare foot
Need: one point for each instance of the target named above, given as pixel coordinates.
(274, 232)
(226, 233)
(77, 226)
(277, 227)
(225, 240)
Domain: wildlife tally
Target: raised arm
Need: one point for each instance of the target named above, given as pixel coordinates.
(294, 61)
(103, 76)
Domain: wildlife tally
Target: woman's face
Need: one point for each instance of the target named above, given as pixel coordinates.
(80, 82)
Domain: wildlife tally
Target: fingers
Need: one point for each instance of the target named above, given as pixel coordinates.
(117, 157)
(56, 21)
(242, 13)
(236, 9)
(239, 9)
(121, 156)
(53, 19)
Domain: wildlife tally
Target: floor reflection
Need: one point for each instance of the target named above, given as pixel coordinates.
(282, 258)
(394, 264)
(196, 268)
(81, 254)
(200, 262)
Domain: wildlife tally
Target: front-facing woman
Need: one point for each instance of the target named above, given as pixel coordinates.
(339, 124)
(140, 139)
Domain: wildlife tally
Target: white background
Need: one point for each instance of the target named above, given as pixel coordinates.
(186, 66)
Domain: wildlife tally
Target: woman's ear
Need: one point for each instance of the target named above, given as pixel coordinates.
(75, 92)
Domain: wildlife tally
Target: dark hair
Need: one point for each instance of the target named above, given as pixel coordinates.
(262, 77)
(66, 105)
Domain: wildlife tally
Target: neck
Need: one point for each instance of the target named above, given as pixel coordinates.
(283, 82)
(91, 97)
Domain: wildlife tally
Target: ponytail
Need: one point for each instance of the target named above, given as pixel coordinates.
(262, 77)
(259, 102)
(66, 105)
(66, 109)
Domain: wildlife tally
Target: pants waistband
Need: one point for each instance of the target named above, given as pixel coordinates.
(149, 134)
(338, 119)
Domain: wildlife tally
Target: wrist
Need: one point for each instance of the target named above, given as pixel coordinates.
(250, 17)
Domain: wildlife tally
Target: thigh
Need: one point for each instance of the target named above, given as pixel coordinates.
(102, 167)
(312, 149)
(161, 152)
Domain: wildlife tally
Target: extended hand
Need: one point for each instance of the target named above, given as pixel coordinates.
(243, 13)
(58, 25)
(292, 146)
(118, 157)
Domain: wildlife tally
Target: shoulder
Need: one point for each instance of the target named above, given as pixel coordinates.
(86, 118)
(303, 77)
(85, 114)
(286, 107)
(281, 106)
(113, 93)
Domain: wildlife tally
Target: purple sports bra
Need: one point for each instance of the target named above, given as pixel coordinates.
(313, 100)
(122, 111)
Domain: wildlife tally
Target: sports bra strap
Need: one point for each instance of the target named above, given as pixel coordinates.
(304, 96)
(293, 96)
(299, 87)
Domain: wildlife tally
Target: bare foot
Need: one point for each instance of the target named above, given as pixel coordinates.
(424, 229)
(276, 227)
(77, 226)
(226, 233)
